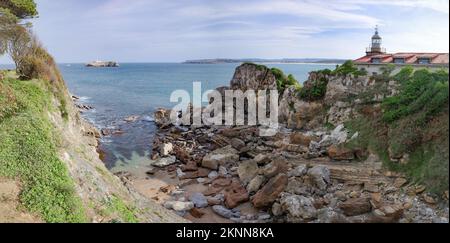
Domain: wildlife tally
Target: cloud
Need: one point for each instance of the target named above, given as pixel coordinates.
(161, 30)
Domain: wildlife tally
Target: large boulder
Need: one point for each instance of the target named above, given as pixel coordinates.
(356, 206)
(235, 194)
(250, 76)
(270, 192)
(247, 170)
(298, 207)
(220, 157)
(320, 176)
(340, 153)
(278, 166)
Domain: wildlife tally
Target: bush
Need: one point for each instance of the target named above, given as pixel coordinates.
(314, 90)
(424, 92)
(282, 81)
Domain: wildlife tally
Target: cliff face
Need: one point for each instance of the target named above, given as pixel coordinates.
(253, 77)
(49, 152)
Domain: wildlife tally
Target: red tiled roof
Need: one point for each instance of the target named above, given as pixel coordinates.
(410, 58)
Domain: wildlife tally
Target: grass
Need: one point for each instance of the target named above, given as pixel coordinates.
(28, 152)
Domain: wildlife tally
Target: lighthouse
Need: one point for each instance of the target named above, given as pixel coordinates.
(375, 48)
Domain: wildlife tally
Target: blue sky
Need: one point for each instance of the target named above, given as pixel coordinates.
(176, 30)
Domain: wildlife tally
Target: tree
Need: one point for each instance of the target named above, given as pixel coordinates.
(22, 9)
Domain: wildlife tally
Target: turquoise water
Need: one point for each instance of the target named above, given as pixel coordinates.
(138, 89)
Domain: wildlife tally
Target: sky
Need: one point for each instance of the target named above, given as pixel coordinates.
(177, 30)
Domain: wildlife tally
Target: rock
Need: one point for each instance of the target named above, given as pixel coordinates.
(179, 206)
(216, 200)
(298, 171)
(190, 166)
(270, 192)
(277, 210)
(162, 117)
(247, 171)
(301, 139)
(328, 215)
(180, 173)
(106, 132)
(165, 149)
(220, 157)
(182, 155)
(355, 206)
(371, 187)
(420, 189)
(277, 167)
(250, 76)
(151, 171)
(163, 162)
(261, 159)
(255, 184)
(224, 212)
(376, 199)
(199, 200)
(223, 171)
(201, 172)
(429, 199)
(392, 211)
(298, 207)
(235, 194)
(400, 182)
(196, 213)
(340, 153)
(213, 175)
(320, 176)
(340, 195)
(132, 119)
(237, 143)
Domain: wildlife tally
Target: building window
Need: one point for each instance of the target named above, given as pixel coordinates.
(424, 61)
(399, 60)
(376, 60)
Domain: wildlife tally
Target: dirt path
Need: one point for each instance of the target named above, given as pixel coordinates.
(11, 210)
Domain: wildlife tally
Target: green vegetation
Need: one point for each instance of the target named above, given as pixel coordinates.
(115, 205)
(22, 9)
(348, 68)
(316, 89)
(423, 92)
(284, 81)
(413, 123)
(28, 151)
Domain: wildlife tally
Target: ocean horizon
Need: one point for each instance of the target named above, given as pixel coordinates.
(138, 89)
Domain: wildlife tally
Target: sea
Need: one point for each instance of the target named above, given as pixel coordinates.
(138, 89)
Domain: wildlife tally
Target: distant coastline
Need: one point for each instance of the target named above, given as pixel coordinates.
(267, 61)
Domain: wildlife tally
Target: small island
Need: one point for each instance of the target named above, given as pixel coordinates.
(102, 64)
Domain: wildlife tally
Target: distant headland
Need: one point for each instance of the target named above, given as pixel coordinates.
(102, 64)
(259, 60)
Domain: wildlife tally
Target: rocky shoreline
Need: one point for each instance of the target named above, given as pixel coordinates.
(303, 174)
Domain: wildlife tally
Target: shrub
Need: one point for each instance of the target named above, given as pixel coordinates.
(314, 90)
(424, 92)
